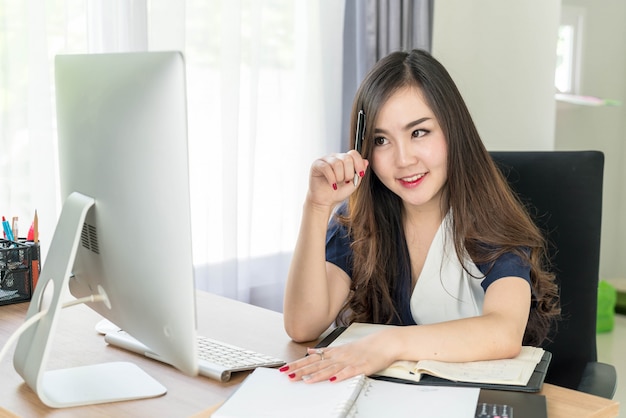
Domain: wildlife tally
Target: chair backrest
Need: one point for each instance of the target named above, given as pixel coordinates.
(563, 192)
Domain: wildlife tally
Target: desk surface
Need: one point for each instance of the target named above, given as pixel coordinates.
(76, 343)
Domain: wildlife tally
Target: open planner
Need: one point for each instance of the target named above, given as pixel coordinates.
(525, 373)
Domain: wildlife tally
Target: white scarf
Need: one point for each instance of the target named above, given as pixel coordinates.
(444, 290)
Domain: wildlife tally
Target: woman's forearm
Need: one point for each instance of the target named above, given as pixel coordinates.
(307, 305)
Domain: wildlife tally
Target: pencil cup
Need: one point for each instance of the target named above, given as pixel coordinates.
(16, 271)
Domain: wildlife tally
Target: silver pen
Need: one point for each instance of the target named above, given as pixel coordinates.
(358, 140)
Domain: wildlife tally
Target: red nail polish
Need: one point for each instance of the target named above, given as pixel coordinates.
(348, 181)
(332, 379)
(361, 173)
(292, 375)
(283, 369)
(334, 186)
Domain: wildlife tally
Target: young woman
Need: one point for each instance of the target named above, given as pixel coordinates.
(431, 237)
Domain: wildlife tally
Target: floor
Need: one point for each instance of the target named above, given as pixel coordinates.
(611, 350)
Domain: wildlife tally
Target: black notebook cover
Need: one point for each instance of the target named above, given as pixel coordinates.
(534, 383)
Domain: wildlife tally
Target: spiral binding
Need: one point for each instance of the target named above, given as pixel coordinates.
(360, 386)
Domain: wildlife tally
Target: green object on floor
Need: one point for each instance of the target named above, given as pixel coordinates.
(607, 297)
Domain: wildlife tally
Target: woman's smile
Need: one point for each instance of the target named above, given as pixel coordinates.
(412, 181)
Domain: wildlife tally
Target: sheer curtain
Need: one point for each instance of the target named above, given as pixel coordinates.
(262, 81)
(27, 146)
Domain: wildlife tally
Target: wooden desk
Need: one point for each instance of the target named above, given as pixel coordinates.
(76, 343)
(564, 402)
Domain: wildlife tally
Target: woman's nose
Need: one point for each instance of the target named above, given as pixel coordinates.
(405, 154)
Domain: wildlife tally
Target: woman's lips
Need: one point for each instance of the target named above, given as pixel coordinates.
(412, 181)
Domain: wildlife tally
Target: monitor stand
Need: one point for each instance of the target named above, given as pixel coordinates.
(84, 385)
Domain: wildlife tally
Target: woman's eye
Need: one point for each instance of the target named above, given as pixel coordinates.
(380, 140)
(418, 133)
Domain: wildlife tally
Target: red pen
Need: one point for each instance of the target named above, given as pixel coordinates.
(31, 233)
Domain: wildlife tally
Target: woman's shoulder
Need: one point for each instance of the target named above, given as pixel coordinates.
(508, 264)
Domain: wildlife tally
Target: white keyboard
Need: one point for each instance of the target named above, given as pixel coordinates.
(217, 360)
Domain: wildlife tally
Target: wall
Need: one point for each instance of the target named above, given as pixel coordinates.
(603, 74)
(502, 56)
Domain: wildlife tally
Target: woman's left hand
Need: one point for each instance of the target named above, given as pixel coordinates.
(365, 356)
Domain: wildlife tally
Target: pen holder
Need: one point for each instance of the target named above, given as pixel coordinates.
(19, 265)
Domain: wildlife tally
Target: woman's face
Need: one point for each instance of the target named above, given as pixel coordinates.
(410, 151)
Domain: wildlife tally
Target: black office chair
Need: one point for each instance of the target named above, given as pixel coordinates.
(563, 191)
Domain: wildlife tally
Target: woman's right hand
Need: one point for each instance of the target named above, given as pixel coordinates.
(332, 177)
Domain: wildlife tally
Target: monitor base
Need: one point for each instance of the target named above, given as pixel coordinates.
(98, 383)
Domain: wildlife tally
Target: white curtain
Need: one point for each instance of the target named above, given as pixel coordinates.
(263, 84)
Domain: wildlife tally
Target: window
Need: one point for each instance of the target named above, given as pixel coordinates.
(568, 50)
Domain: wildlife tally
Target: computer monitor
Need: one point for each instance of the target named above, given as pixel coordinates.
(124, 232)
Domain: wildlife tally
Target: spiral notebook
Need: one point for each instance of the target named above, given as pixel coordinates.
(269, 393)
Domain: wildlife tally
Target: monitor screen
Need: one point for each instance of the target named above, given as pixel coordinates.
(124, 233)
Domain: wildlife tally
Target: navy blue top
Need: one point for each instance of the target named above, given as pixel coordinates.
(339, 252)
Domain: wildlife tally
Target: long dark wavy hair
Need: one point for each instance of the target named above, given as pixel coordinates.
(488, 218)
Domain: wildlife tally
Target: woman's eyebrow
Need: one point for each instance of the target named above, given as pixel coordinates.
(407, 126)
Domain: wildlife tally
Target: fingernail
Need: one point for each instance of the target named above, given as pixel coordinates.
(332, 379)
(348, 181)
(361, 173)
(292, 375)
(283, 369)
(334, 186)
